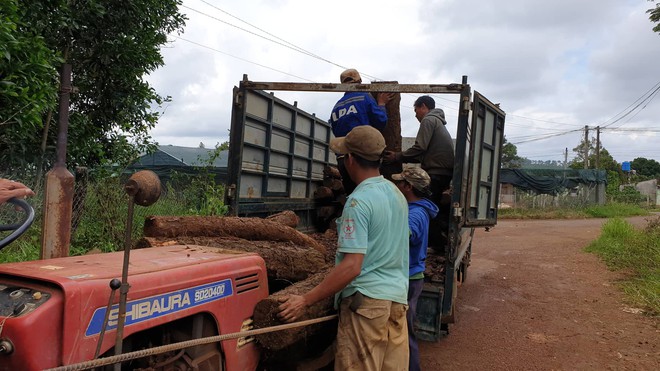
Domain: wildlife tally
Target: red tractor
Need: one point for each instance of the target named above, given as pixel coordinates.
(63, 311)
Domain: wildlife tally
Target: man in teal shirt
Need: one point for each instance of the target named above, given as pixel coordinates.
(370, 279)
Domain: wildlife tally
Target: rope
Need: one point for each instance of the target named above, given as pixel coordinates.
(185, 344)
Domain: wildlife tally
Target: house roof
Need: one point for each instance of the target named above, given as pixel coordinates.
(183, 156)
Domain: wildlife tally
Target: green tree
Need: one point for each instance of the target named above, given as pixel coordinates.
(510, 158)
(605, 160)
(655, 16)
(222, 146)
(28, 84)
(645, 167)
(111, 47)
(588, 146)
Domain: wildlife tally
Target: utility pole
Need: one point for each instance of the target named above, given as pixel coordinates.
(563, 173)
(597, 147)
(586, 146)
(597, 163)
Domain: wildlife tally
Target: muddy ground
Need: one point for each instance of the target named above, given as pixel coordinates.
(533, 300)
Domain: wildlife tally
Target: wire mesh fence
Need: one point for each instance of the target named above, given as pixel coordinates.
(100, 207)
(582, 195)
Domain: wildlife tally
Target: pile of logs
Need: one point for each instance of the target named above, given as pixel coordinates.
(295, 263)
(330, 198)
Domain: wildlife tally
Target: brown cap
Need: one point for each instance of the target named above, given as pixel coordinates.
(351, 75)
(364, 141)
(416, 176)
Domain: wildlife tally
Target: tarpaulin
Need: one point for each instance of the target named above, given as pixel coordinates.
(551, 181)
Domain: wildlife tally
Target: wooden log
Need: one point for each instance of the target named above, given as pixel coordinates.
(286, 217)
(323, 192)
(284, 260)
(331, 171)
(435, 266)
(334, 184)
(265, 314)
(392, 132)
(326, 212)
(254, 229)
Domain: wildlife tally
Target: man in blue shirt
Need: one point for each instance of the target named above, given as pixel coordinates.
(414, 183)
(356, 109)
(370, 277)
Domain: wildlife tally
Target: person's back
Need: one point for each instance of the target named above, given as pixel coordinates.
(352, 110)
(377, 208)
(414, 182)
(356, 109)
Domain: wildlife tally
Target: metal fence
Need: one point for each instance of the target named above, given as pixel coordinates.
(582, 195)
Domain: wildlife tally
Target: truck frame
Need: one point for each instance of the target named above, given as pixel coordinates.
(277, 154)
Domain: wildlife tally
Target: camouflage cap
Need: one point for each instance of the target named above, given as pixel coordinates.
(416, 176)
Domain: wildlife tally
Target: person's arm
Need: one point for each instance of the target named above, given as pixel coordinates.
(376, 111)
(294, 306)
(10, 189)
(416, 226)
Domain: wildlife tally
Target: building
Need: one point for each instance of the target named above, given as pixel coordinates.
(168, 160)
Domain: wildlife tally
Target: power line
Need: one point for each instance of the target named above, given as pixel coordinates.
(545, 137)
(284, 42)
(639, 130)
(239, 58)
(646, 97)
(549, 122)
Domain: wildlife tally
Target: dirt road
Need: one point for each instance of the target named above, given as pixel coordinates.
(533, 300)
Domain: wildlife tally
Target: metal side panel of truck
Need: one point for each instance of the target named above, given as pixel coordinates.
(277, 153)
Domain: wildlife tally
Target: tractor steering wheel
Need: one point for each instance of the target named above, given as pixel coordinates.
(17, 228)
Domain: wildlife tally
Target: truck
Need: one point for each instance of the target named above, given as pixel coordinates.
(190, 307)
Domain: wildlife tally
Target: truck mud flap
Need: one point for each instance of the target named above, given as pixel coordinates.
(429, 313)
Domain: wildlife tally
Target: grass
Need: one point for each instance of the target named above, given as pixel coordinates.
(101, 227)
(637, 254)
(609, 210)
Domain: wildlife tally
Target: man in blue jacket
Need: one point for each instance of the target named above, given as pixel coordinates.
(414, 183)
(356, 109)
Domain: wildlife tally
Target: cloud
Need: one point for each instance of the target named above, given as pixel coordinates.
(554, 66)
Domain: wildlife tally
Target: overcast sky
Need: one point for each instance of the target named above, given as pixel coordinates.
(554, 66)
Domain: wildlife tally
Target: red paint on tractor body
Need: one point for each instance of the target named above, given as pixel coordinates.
(62, 326)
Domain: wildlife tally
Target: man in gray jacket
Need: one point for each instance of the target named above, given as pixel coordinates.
(434, 150)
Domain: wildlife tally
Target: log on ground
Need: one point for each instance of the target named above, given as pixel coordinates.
(254, 229)
(265, 315)
(284, 260)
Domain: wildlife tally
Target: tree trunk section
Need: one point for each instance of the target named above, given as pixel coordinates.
(392, 132)
(286, 217)
(254, 229)
(323, 192)
(332, 172)
(265, 315)
(284, 260)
